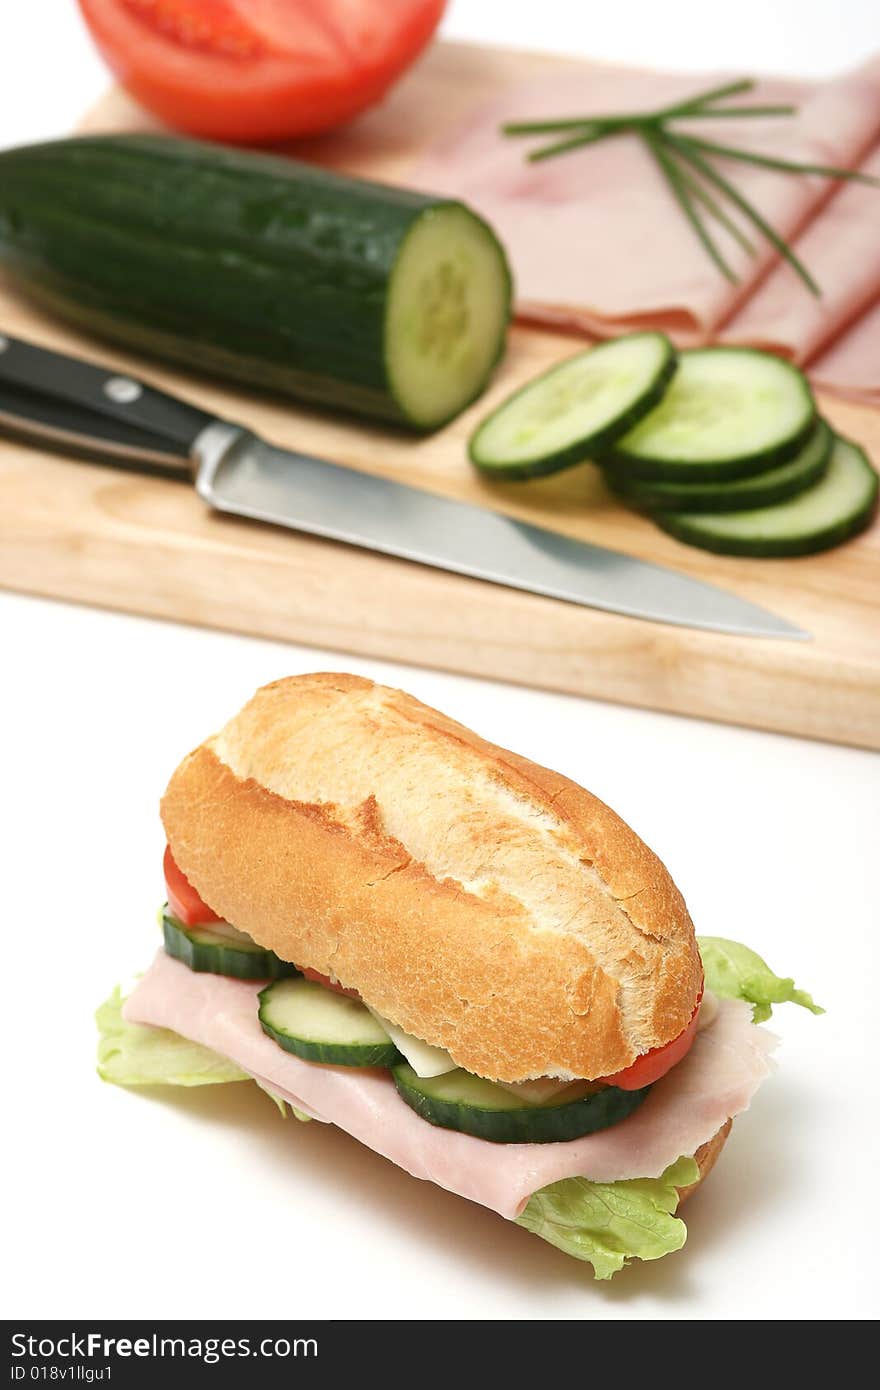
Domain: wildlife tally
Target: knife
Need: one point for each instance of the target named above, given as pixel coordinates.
(75, 405)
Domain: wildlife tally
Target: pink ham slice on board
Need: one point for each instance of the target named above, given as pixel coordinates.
(717, 1079)
(841, 247)
(851, 366)
(596, 239)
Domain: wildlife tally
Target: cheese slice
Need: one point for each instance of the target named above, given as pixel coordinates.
(424, 1059)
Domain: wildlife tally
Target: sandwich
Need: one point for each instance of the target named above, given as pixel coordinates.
(465, 961)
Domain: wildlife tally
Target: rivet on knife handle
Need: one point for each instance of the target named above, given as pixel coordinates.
(63, 401)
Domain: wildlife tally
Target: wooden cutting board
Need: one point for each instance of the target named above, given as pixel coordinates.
(92, 534)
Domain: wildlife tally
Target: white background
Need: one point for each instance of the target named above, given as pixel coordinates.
(206, 1204)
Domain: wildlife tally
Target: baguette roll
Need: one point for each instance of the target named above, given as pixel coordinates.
(477, 900)
(707, 1156)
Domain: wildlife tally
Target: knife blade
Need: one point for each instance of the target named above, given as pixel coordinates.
(73, 404)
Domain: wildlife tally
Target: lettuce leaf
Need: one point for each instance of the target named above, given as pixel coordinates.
(736, 972)
(283, 1105)
(132, 1055)
(610, 1223)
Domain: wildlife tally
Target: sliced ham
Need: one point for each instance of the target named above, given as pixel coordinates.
(716, 1080)
(851, 366)
(841, 248)
(597, 241)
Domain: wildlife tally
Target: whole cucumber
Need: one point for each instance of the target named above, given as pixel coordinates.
(333, 290)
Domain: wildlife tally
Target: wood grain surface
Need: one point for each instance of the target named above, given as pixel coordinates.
(92, 534)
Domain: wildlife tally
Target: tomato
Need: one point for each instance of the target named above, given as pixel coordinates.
(259, 70)
(325, 980)
(183, 899)
(656, 1063)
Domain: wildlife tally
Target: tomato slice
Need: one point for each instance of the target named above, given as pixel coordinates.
(259, 70)
(325, 980)
(183, 899)
(656, 1063)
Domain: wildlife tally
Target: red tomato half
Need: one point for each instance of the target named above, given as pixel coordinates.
(183, 899)
(659, 1060)
(325, 980)
(259, 70)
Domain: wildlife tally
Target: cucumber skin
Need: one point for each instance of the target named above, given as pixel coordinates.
(239, 965)
(651, 495)
(247, 265)
(680, 471)
(528, 1124)
(334, 1054)
(578, 452)
(776, 550)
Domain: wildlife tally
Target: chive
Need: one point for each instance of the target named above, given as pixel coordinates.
(674, 152)
(680, 193)
(720, 182)
(551, 127)
(766, 161)
(730, 89)
(702, 195)
(575, 142)
(635, 121)
(628, 118)
(706, 113)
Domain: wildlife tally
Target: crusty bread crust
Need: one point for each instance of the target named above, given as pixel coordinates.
(707, 1157)
(479, 901)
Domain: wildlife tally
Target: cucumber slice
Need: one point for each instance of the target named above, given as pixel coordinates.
(220, 949)
(472, 1105)
(736, 494)
(575, 409)
(728, 413)
(316, 1023)
(839, 506)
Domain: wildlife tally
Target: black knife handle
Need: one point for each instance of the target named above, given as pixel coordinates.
(71, 404)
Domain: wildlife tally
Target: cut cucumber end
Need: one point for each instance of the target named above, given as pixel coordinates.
(728, 413)
(837, 507)
(575, 409)
(765, 489)
(447, 314)
(470, 1104)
